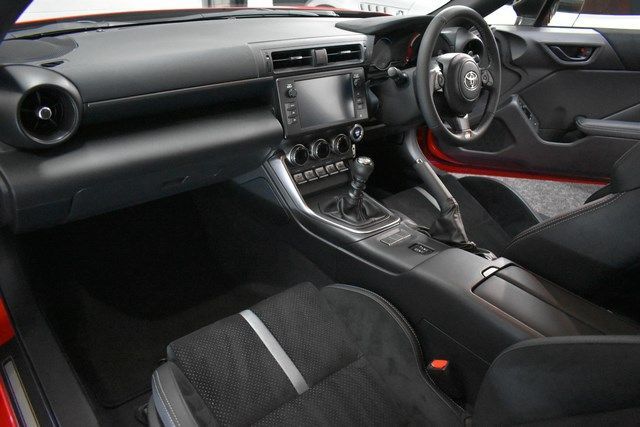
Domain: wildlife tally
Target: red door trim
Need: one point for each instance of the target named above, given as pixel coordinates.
(8, 416)
(6, 328)
(441, 160)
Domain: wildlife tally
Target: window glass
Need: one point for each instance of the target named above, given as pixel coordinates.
(502, 16)
(624, 14)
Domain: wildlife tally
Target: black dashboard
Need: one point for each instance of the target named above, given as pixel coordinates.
(98, 120)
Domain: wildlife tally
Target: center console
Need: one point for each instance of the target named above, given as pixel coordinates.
(465, 308)
(321, 115)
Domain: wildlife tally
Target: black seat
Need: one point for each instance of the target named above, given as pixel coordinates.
(345, 356)
(592, 251)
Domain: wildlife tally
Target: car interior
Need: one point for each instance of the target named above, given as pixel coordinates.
(245, 216)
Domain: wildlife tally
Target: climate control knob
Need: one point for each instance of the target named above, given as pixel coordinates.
(320, 149)
(298, 155)
(340, 144)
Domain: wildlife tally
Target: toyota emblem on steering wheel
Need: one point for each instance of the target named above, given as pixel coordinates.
(471, 80)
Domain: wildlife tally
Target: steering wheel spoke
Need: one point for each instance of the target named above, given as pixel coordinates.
(436, 78)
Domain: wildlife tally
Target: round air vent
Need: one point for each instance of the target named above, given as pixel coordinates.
(48, 115)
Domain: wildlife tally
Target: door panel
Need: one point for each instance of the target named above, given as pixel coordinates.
(547, 83)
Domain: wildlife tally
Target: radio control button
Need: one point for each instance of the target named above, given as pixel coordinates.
(292, 92)
(341, 166)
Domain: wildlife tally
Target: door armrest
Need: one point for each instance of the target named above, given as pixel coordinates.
(611, 128)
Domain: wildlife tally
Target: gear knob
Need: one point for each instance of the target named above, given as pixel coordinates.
(361, 169)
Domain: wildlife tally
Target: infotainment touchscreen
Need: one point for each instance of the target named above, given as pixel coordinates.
(325, 100)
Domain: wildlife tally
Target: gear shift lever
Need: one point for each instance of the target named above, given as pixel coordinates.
(361, 170)
(355, 208)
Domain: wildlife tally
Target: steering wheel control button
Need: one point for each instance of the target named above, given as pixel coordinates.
(321, 172)
(421, 249)
(299, 178)
(396, 238)
(298, 156)
(356, 133)
(310, 175)
(487, 78)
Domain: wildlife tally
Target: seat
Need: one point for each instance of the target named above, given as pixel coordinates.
(345, 356)
(592, 251)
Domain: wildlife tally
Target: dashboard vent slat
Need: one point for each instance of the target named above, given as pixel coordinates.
(352, 52)
(292, 59)
(295, 59)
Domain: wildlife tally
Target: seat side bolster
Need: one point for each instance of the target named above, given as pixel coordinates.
(549, 379)
(176, 401)
(390, 345)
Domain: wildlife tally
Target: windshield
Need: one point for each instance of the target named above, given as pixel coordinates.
(52, 9)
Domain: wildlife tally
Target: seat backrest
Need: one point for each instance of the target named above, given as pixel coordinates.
(593, 380)
(595, 246)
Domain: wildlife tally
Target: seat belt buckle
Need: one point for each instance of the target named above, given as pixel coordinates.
(440, 372)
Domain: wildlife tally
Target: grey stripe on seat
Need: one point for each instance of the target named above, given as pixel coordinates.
(276, 350)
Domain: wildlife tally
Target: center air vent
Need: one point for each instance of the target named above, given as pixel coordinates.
(351, 52)
(292, 59)
(48, 115)
(295, 59)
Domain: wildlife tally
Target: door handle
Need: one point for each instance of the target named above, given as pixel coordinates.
(572, 53)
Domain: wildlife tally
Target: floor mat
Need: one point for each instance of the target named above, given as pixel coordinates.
(118, 288)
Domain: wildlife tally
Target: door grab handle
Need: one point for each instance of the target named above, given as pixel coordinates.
(573, 53)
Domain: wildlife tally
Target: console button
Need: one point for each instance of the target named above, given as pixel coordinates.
(341, 167)
(356, 133)
(299, 178)
(321, 172)
(395, 238)
(331, 169)
(420, 249)
(310, 175)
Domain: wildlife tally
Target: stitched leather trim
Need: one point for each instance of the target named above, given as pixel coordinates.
(592, 207)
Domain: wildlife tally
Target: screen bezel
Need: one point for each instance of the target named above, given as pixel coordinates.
(292, 130)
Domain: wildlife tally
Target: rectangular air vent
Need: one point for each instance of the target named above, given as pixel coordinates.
(297, 58)
(344, 53)
(316, 57)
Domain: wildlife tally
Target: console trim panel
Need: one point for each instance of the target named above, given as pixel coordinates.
(281, 171)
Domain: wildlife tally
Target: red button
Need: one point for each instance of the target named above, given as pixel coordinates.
(439, 364)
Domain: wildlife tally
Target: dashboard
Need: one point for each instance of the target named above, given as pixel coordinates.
(102, 119)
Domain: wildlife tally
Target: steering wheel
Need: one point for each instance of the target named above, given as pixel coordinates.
(459, 78)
